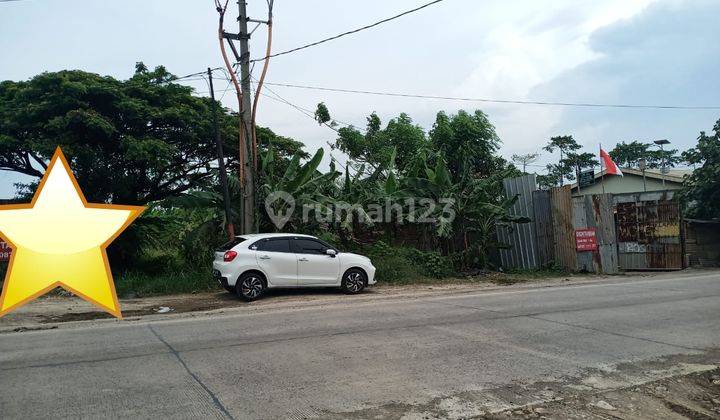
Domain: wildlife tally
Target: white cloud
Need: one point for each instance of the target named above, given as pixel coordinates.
(532, 45)
(665, 55)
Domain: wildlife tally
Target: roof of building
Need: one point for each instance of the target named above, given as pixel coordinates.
(672, 175)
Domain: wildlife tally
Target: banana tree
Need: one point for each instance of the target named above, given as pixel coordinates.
(301, 184)
(436, 186)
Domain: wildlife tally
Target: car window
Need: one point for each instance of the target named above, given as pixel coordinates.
(229, 245)
(274, 245)
(309, 246)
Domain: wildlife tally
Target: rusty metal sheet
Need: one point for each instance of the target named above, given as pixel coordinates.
(596, 212)
(648, 231)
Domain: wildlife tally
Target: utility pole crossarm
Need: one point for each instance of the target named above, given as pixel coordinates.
(230, 37)
(236, 37)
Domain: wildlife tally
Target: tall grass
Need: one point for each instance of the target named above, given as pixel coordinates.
(138, 284)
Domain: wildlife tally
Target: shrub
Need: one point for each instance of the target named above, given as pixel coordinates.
(400, 264)
(433, 263)
(395, 269)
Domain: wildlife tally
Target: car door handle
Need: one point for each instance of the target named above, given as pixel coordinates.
(264, 257)
(303, 259)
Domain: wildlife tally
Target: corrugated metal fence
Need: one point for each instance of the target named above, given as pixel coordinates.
(520, 237)
(549, 239)
(596, 212)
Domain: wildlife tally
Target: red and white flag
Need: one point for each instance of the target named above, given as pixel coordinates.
(610, 166)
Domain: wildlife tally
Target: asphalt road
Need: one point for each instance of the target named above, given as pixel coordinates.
(349, 356)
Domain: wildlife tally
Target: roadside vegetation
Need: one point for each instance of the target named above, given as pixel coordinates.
(149, 141)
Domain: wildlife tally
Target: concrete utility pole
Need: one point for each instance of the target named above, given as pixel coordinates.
(221, 161)
(249, 213)
(248, 154)
(643, 166)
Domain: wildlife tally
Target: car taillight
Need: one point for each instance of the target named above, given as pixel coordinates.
(229, 256)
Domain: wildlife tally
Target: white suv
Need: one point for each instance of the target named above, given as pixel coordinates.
(250, 264)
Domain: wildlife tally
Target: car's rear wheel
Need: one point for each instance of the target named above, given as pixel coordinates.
(353, 281)
(250, 286)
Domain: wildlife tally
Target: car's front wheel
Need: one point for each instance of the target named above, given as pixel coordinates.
(250, 286)
(354, 281)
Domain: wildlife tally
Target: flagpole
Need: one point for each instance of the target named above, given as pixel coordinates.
(602, 175)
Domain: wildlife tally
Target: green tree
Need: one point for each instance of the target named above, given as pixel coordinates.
(468, 142)
(573, 163)
(630, 155)
(374, 147)
(131, 142)
(702, 189)
(565, 145)
(549, 180)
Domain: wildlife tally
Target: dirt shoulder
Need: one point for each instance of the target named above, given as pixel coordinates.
(675, 387)
(52, 310)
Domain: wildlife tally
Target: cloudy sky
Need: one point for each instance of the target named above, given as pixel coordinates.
(663, 52)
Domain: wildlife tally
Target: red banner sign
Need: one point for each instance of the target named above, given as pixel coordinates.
(586, 239)
(5, 251)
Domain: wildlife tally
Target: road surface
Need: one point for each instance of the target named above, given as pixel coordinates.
(346, 359)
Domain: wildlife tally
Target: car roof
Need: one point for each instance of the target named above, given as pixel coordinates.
(272, 235)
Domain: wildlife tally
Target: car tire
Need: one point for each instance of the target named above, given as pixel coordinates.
(250, 286)
(354, 281)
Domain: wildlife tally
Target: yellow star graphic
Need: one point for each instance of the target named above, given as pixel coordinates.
(59, 240)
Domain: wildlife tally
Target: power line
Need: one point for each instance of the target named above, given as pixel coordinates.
(312, 115)
(308, 112)
(304, 111)
(499, 101)
(227, 87)
(380, 22)
(199, 73)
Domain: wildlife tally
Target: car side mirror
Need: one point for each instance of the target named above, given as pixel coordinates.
(331, 252)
